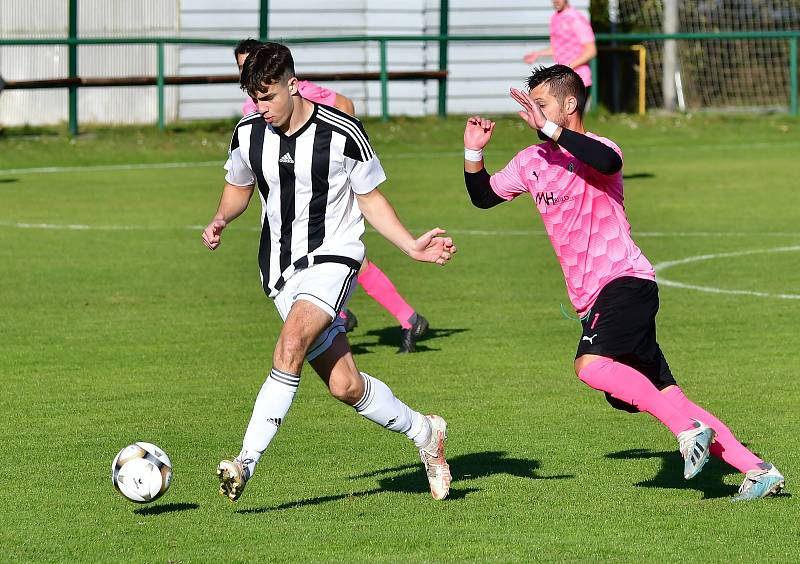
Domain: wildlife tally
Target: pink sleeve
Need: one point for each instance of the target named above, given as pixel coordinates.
(509, 182)
(582, 29)
(249, 107)
(316, 93)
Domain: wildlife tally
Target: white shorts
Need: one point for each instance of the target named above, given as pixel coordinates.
(328, 286)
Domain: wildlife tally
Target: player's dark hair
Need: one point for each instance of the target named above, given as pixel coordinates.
(245, 46)
(266, 64)
(562, 82)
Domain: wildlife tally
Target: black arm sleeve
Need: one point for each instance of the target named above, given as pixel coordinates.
(480, 190)
(600, 157)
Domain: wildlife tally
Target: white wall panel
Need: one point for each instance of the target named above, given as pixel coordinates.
(96, 18)
(480, 73)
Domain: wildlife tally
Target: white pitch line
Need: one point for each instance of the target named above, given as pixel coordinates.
(384, 157)
(161, 166)
(661, 267)
(107, 168)
(473, 232)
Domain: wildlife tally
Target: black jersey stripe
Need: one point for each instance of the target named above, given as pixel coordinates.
(320, 164)
(256, 162)
(352, 130)
(349, 125)
(246, 120)
(359, 132)
(287, 176)
(348, 133)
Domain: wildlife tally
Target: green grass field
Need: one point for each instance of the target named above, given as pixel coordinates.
(118, 325)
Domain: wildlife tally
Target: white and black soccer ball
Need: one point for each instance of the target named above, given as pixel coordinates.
(141, 472)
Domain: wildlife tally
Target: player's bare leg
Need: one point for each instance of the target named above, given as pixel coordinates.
(374, 400)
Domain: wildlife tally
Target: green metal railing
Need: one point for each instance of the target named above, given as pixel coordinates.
(72, 67)
(443, 40)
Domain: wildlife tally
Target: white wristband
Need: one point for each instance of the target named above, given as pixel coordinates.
(472, 155)
(549, 128)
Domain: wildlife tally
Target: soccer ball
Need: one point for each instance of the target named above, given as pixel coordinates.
(141, 472)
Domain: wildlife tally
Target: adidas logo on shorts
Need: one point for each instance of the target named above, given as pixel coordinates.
(286, 158)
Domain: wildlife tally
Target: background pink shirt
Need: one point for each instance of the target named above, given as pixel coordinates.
(308, 90)
(583, 215)
(570, 30)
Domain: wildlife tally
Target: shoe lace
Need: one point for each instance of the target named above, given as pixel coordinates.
(686, 441)
(244, 464)
(430, 456)
(751, 478)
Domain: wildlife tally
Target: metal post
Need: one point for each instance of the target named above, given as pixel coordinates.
(670, 66)
(263, 25)
(444, 30)
(642, 78)
(72, 67)
(595, 94)
(793, 75)
(384, 83)
(160, 85)
(613, 19)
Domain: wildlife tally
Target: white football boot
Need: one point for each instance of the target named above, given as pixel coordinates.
(432, 456)
(695, 446)
(233, 476)
(764, 481)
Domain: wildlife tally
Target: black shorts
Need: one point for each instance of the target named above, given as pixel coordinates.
(622, 325)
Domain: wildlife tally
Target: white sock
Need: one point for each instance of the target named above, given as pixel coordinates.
(379, 405)
(270, 409)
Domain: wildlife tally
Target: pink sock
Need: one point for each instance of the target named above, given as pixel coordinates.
(725, 446)
(628, 385)
(380, 288)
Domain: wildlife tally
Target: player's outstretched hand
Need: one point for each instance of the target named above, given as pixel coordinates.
(211, 234)
(532, 114)
(430, 247)
(478, 132)
(531, 57)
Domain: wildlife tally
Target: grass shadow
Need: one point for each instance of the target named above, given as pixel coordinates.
(166, 508)
(8, 180)
(411, 479)
(638, 176)
(363, 343)
(478, 465)
(709, 482)
(455, 494)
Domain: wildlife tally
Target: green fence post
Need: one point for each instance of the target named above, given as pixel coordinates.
(72, 67)
(444, 30)
(595, 95)
(793, 75)
(384, 83)
(160, 85)
(263, 22)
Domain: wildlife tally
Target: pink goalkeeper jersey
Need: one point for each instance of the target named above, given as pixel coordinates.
(308, 90)
(570, 30)
(583, 215)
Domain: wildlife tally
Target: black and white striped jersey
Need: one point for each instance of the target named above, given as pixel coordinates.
(307, 182)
